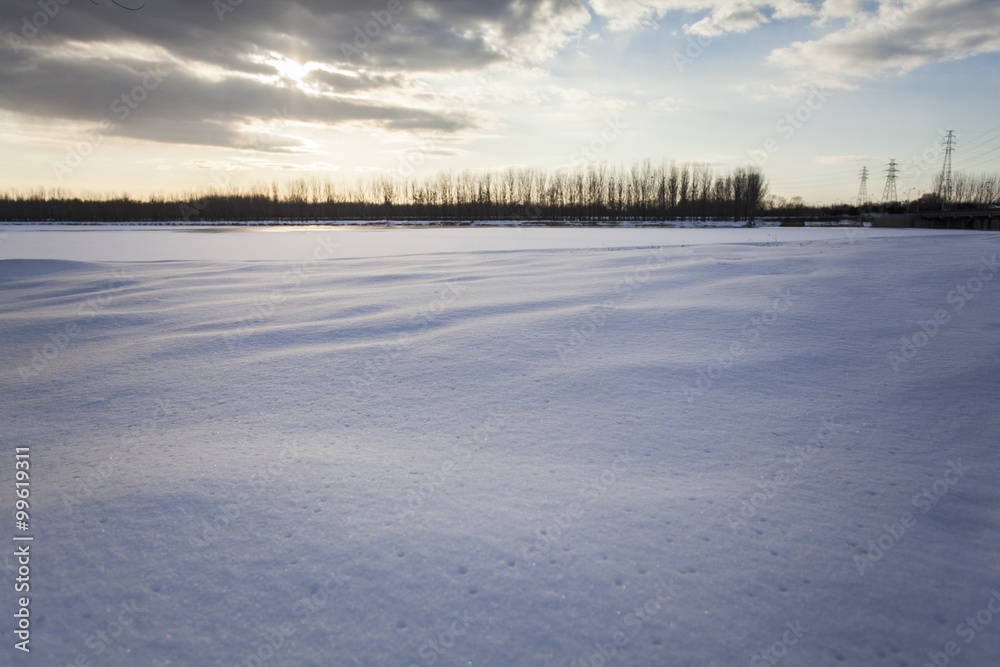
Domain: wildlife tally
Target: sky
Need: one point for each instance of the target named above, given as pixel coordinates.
(148, 96)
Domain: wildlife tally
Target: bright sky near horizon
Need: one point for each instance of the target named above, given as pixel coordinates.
(175, 96)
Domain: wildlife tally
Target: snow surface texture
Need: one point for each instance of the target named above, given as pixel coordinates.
(659, 456)
(293, 244)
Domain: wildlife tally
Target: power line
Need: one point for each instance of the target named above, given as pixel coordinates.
(972, 148)
(972, 155)
(973, 140)
(983, 160)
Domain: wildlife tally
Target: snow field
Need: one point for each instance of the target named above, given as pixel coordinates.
(698, 455)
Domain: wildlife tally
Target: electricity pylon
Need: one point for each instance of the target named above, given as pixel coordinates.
(863, 189)
(949, 145)
(889, 193)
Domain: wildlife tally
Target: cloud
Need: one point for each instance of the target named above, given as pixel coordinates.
(843, 159)
(668, 104)
(356, 65)
(895, 39)
(717, 16)
(348, 82)
(727, 19)
(176, 103)
(255, 164)
(353, 63)
(839, 9)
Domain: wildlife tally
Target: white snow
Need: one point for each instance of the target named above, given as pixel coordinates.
(157, 243)
(692, 448)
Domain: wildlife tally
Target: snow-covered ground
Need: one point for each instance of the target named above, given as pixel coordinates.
(727, 451)
(157, 243)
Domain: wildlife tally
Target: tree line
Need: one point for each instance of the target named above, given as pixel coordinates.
(597, 193)
(968, 190)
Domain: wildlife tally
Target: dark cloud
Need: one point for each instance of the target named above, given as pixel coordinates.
(338, 82)
(55, 61)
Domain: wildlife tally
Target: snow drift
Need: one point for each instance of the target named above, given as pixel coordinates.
(711, 455)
